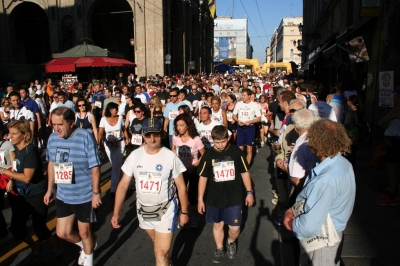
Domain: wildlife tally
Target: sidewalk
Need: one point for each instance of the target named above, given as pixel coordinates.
(373, 232)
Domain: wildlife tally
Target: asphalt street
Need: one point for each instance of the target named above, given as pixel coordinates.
(258, 242)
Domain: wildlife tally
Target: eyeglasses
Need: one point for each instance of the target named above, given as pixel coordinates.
(155, 135)
(173, 95)
(81, 105)
(137, 111)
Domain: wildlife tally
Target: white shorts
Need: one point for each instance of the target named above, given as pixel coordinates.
(168, 220)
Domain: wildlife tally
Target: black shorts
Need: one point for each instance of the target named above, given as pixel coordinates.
(84, 212)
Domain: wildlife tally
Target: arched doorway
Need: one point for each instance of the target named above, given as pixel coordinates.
(67, 33)
(112, 26)
(29, 34)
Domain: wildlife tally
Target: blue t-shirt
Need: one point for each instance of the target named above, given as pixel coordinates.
(171, 107)
(80, 149)
(31, 104)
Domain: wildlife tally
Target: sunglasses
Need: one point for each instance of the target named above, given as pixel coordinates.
(173, 95)
(155, 135)
(137, 111)
(81, 105)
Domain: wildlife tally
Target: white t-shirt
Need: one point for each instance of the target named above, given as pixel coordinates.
(246, 112)
(205, 133)
(217, 116)
(153, 174)
(113, 133)
(43, 110)
(323, 110)
(23, 113)
(302, 160)
(53, 106)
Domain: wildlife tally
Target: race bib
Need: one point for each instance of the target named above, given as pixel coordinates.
(206, 134)
(173, 114)
(149, 182)
(98, 104)
(136, 139)
(63, 173)
(224, 171)
(244, 114)
(184, 152)
(2, 158)
(229, 116)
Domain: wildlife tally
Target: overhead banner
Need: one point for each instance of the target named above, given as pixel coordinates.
(224, 47)
(386, 80)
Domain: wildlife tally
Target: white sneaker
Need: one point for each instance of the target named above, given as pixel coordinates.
(262, 144)
(81, 259)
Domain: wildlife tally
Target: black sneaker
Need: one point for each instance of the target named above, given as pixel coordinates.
(231, 250)
(218, 255)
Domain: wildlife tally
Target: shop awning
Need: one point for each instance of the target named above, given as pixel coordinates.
(317, 54)
(70, 64)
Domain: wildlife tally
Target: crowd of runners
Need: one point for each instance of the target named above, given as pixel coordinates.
(186, 143)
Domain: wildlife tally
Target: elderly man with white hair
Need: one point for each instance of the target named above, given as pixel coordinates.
(302, 160)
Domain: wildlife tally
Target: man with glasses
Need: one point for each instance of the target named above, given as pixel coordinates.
(159, 184)
(194, 94)
(170, 112)
(246, 114)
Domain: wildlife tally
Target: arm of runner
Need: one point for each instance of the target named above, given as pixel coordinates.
(94, 128)
(39, 120)
(224, 118)
(201, 208)
(120, 194)
(48, 197)
(166, 122)
(247, 183)
(101, 132)
(183, 199)
(96, 196)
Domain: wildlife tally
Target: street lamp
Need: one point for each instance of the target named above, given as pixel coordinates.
(132, 42)
(300, 28)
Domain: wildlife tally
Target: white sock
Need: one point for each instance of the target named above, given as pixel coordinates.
(88, 260)
(80, 244)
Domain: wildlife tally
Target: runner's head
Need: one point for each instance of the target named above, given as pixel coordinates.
(151, 130)
(184, 123)
(15, 99)
(173, 95)
(215, 103)
(63, 120)
(220, 136)
(20, 130)
(205, 114)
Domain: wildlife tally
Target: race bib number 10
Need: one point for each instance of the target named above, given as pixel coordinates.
(149, 182)
(63, 173)
(224, 171)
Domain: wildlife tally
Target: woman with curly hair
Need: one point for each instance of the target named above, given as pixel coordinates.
(328, 193)
(186, 143)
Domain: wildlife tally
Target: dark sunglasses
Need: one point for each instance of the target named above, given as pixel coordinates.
(173, 95)
(137, 111)
(81, 105)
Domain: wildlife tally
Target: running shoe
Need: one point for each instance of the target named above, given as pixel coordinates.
(218, 255)
(230, 250)
(81, 259)
(386, 195)
(386, 202)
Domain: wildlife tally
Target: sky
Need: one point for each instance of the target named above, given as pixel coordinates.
(263, 17)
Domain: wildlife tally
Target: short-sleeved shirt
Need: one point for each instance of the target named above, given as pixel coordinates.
(205, 133)
(69, 104)
(302, 160)
(109, 100)
(188, 151)
(323, 110)
(31, 104)
(29, 158)
(154, 174)
(170, 112)
(81, 150)
(223, 191)
(21, 114)
(246, 111)
(136, 129)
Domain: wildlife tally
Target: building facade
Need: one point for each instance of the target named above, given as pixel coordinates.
(144, 31)
(352, 42)
(288, 35)
(231, 39)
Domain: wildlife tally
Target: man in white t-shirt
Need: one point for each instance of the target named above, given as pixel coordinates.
(247, 114)
(204, 128)
(159, 183)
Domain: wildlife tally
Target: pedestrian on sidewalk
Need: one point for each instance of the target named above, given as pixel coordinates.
(327, 196)
(224, 178)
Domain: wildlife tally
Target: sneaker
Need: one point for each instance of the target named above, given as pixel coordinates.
(218, 255)
(386, 202)
(262, 144)
(81, 259)
(385, 195)
(276, 196)
(275, 201)
(194, 222)
(231, 250)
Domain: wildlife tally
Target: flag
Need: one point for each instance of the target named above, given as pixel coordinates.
(212, 5)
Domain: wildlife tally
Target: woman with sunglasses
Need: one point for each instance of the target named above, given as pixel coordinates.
(112, 126)
(84, 118)
(186, 143)
(135, 127)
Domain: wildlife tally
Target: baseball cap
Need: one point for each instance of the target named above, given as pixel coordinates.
(39, 92)
(152, 125)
